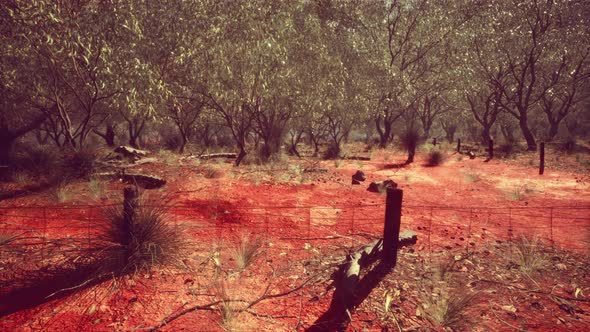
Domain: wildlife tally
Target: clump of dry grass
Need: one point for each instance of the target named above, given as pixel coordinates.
(445, 300)
(150, 240)
(435, 158)
(247, 250)
(61, 193)
(528, 255)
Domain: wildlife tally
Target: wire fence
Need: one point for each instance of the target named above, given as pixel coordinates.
(439, 228)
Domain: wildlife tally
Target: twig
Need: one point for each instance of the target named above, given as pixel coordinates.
(505, 322)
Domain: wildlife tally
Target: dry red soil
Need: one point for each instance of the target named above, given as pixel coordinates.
(470, 216)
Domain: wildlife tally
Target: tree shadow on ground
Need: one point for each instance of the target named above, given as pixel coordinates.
(34, 288)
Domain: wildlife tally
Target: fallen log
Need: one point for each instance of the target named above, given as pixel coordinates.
(229, 155)
(141, 180)
(131, 152)
(315, 170)
(351, 291)
(357, 158)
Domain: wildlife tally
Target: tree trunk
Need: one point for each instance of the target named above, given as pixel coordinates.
(240, 156)
(5, 147)
(553, 129)
(110, 135)
(133, 141)
(183, 142)
(485, 134)
(528, 135)
(411, 154)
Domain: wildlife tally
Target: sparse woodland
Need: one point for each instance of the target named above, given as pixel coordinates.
(250, 117)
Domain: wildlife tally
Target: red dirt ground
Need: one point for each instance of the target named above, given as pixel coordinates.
(466, 211)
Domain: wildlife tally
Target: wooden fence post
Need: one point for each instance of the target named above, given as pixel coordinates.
(542, 159)
(393, 213)
(130, 198)
(459, 145)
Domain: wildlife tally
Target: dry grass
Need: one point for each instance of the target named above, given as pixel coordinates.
(528, 255)
(445, 300)
(150, 240)
(247, 250)
(519, 193)
(472, 177)
(97, 188)
(435, 158)
(61, 193)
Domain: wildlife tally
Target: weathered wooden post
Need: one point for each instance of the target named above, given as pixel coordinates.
(393, 214)
(542, 159)
(459, 145)
(434, 141)
(491, 149)
(130, 198)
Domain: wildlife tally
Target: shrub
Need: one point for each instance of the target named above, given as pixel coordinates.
(36, 161)
(81, 164)
(149, 241)
(172, 142)
(332, 152)
(435, 158)
(569, 146)
(505, 150)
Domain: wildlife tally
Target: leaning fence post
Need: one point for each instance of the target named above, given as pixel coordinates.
(542, 159)
(130, 197)
(393, 213)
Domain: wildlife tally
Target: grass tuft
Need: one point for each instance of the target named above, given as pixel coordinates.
(472, 177)
(150, 240)
(435, 158)
(247, 251)
(61, 193)
(528, 255)
(445, 300)
(97, 188)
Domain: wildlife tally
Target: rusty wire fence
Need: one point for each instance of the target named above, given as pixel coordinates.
(300, 228)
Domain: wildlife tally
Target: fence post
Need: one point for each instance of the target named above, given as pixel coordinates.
(130, 197)
(393, 213)
(459, 145)
(542, 159)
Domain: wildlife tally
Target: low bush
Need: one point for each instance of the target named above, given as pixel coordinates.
(435, 158)
(505, 150)
(172, 142)
(80, 165)
(149, 240)
(332, 152)
(36, 161)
